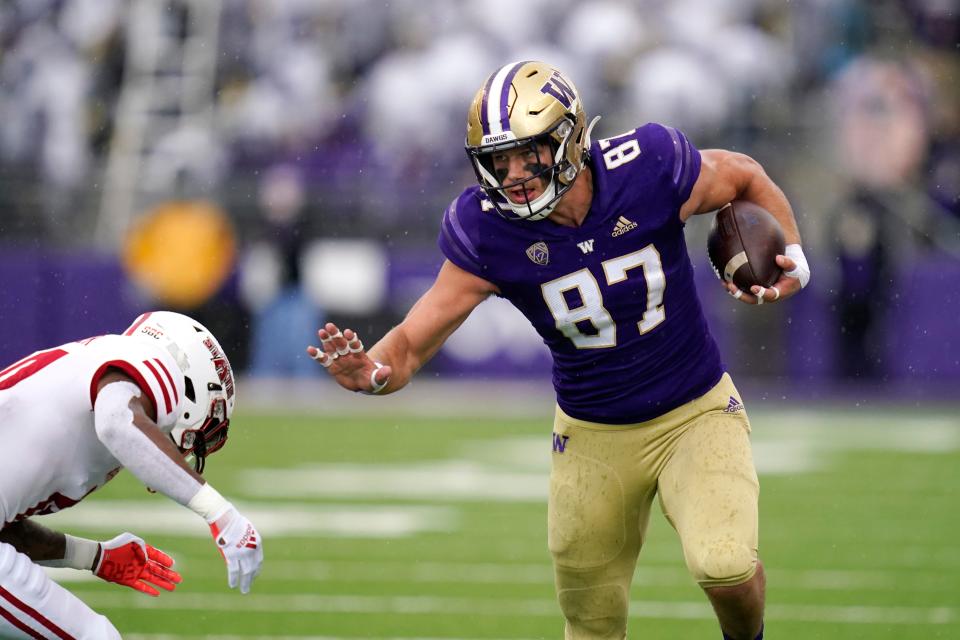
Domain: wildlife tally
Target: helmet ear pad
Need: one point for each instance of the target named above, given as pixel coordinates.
(563, 142)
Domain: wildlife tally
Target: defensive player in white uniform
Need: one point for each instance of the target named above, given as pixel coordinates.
(156, 400)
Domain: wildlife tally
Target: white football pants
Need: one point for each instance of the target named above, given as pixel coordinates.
(34, 606)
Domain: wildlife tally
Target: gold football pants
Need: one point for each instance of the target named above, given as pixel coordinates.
(604, 478)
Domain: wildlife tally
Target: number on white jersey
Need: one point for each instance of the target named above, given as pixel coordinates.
(28, 366)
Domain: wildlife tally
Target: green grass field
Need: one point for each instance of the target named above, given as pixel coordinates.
(400, 526)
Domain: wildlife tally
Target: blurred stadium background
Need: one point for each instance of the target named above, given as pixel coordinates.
(267, 164)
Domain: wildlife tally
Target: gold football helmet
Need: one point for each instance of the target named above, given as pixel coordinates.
(528, 104)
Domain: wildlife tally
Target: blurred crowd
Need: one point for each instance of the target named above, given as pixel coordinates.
(345, 118)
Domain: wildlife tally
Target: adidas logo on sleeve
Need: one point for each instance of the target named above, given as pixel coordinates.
(734, 406)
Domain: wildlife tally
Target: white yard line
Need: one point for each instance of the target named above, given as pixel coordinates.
(426, 572)
(398, 605)
(535, 398)
(276, 519)
(423, 397)
(459, 480)
(516, 469)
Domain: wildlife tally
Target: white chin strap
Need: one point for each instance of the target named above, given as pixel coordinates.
(540, 206)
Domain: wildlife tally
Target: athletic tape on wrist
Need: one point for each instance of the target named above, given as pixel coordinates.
(209, 504)
(802, 272)
(78, 553)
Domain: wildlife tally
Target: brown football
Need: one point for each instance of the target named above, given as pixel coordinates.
(743, 244)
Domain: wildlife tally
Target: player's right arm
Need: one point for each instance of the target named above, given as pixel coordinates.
(126, 559)
(404, 349)
(124, 422)
(35, 541)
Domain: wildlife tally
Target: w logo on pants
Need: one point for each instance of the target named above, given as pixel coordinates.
(559, 443)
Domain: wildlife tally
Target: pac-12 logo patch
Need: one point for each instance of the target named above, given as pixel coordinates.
(539, 253)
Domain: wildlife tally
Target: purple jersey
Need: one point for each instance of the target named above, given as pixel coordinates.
(614, 299)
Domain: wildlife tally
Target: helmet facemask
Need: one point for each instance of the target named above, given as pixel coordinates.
(197, 444)
(528, 104)
(553, 179)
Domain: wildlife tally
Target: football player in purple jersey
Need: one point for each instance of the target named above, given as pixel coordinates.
(586, 239)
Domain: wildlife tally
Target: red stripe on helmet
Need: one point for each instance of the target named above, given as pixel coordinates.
(136, 323)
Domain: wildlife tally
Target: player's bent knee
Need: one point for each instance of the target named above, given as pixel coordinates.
(19, 573)
(595, 613)
(105, 630)
(724, 564)
(30, 585)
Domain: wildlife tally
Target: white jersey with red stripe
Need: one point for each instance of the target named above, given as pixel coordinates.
(51, 457)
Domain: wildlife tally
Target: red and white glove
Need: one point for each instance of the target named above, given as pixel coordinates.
(129, 561)
(239, 544)
(236, 537)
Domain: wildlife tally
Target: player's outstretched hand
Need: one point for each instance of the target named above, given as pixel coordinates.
(786, 287)
(129, 561)
(343, 356)
(241, 547)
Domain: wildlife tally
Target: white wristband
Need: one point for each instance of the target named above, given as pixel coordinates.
(802, 271)
(209, 504)
(78, 554)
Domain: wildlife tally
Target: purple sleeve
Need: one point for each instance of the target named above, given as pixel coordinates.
(669, 163)
(458, 236)
(685, 166)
